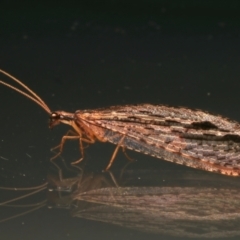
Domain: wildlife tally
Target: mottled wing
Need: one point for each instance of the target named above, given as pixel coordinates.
(184, 136)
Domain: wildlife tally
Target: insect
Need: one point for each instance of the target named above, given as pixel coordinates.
(184, 136)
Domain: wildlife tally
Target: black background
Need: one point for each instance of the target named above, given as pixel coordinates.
(102, 53)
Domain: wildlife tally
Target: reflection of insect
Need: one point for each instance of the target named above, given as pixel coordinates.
(29, 191)
(186, 204)
(190, 137)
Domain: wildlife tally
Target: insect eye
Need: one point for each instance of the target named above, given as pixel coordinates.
(55, 116)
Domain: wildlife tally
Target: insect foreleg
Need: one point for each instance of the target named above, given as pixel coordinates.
(72, 135)
(64, 138)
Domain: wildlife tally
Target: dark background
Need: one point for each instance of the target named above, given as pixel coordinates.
(98, 54)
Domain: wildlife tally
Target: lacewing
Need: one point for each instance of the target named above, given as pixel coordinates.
(184, 136)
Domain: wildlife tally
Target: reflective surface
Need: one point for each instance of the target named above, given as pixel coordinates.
(92, 57)
(175, 203)
(169, 202)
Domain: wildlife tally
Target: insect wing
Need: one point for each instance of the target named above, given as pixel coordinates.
(189, 137)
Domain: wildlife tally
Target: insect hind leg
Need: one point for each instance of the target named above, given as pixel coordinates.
(115, 153)
(126, 155)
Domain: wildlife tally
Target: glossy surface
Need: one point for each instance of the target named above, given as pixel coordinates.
(90, 61)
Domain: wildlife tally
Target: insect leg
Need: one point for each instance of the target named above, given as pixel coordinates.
(81, 140)
(69, 133)
(64, 138)
(115, 153)
(125, 153)
(72, 135)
